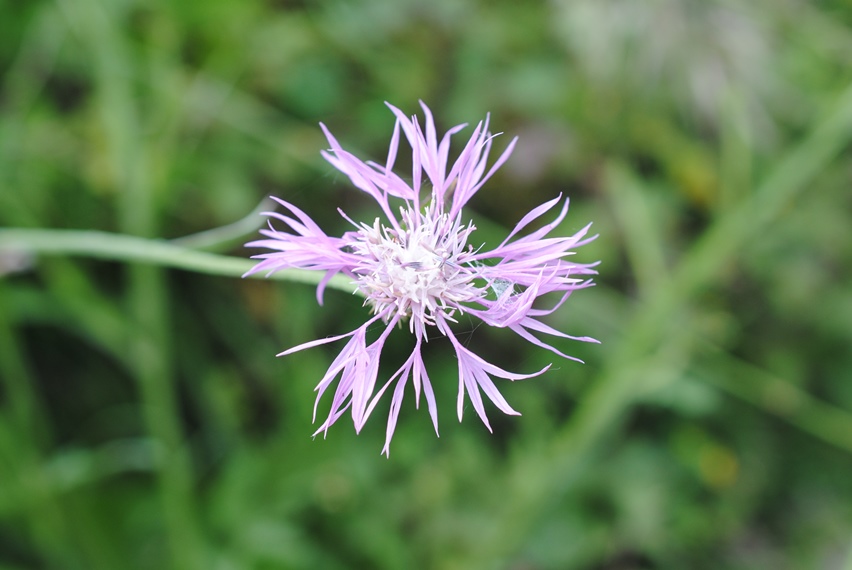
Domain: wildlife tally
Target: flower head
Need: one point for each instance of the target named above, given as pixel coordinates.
(416, 265)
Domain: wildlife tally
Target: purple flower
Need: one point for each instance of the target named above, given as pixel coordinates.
(417, 267)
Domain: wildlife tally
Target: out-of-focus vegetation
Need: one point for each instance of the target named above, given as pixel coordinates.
(147, 424)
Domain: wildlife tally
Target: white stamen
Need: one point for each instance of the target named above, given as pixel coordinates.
(417, 269)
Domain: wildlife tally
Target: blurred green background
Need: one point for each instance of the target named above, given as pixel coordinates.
(146, 422)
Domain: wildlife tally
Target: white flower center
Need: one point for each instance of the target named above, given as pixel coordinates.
(417, 269)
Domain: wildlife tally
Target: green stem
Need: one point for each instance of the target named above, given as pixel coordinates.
(227, 236)
(131, 249)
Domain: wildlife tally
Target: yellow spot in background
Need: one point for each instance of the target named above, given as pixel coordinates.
(718, 466)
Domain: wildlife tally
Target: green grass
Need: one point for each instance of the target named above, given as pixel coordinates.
(146, 423)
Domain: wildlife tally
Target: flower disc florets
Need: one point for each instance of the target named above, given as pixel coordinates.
(417, 269)
(418, 266)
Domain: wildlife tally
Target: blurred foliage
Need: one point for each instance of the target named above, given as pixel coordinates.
(146, 423)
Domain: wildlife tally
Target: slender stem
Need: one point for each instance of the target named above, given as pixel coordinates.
(131, 249)
(225, 236)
